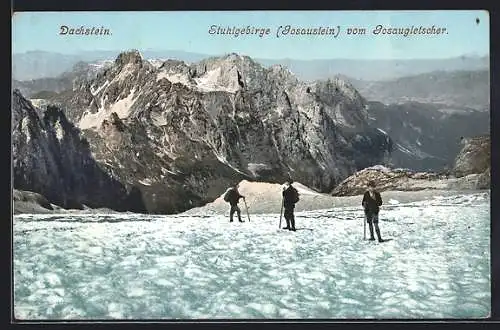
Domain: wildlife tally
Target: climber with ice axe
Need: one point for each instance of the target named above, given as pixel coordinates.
(232, 196)
(371, 204)
(290, 198)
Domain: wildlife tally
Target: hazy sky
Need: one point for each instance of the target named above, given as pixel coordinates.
(188, 31)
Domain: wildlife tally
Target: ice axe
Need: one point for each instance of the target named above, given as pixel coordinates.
(281, 212)
(364, 229)
(248, 215)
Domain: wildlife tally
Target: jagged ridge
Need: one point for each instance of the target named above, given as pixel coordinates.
(181, 130)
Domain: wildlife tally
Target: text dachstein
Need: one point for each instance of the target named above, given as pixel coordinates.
(82, 30)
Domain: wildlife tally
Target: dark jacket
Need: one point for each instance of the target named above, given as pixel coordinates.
(289, 195)
(233, 196)
(371, 206)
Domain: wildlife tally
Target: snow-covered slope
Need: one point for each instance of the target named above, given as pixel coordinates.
(264, 198)
(129, 266)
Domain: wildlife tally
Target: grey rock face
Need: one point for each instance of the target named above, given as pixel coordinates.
(31, 197)
(51, 158)
(474, 158)
(181, 133)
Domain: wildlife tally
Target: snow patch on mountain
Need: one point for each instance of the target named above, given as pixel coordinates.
(224, 161)
(156, 62)
(213, 81)
(59, 130)
(158, 119)
(146, 181)
(382, 131)
(255, 168)
(404, 149)
(381, 168)
(38, 103)
(25, 128)
(174, 78)
(96, 91)
(121, 107)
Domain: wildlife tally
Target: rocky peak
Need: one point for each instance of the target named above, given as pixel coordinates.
(172, 64)
(129, 57)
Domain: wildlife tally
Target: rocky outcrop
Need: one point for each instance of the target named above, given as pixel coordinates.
(30, 198)
(179, 134)
(387, 179)
(474, 158)
(52, 159)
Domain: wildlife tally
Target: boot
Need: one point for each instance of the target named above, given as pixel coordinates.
(378, 233)
(287, 224)
(370, 226)
(292, 222)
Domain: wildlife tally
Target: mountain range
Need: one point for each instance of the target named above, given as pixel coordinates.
(460, 88)
(416, 111)
(171, 137)
(43, 64)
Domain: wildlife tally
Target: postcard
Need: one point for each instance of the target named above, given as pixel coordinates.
(251, 165)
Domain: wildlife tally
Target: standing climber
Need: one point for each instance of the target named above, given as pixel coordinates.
(232, 196)
(371, 204)
(290, 198)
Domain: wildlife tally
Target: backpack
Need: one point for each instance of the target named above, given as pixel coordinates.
(295, 195)
(227, 195)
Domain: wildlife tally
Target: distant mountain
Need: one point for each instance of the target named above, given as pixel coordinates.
(39, 88)
(41, 64)
(375, 70)
(426, 136)
(456, 88)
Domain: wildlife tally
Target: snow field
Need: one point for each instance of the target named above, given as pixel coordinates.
(124, 266)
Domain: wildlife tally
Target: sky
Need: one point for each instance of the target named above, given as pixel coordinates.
(189, 31)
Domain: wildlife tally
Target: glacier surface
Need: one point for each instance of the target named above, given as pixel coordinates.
(198, 266)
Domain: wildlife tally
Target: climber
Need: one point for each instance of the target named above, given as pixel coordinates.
(290, 198)
(371, 204)
(232, 196)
